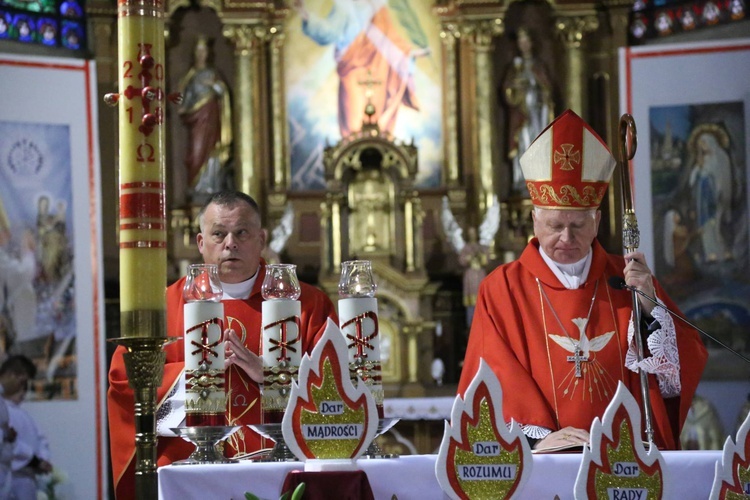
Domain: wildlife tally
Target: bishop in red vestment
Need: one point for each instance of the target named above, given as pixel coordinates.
(556, 335)
(231, 236)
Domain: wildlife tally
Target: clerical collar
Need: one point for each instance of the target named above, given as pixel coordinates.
(570, 275)
(239, 291)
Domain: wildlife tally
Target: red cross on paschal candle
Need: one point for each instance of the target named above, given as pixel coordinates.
(283, 343)
(358, 339)
(204, 347)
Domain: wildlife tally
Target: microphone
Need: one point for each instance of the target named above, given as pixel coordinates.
(618, 283)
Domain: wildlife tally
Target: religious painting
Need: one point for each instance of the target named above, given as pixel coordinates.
(37, 275)
(51, 295)
(351, 62)
(690, 177)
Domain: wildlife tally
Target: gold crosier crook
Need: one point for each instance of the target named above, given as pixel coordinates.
(631, 238)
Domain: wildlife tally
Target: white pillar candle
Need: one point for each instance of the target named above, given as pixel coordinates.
(358, 320)
(204, 357)
(282, 351)
(281, 341)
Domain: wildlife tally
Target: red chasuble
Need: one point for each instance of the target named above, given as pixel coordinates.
(243, 405)
(516, 332)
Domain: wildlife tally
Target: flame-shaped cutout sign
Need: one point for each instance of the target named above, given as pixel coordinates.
(327, 417)
(732, 477)
(617, 464)
(480, 457)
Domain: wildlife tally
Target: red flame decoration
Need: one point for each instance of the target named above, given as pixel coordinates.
(315, 381)
(482, 394)
(739, 470)
(621, 416)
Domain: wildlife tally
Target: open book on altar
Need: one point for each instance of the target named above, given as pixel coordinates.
(568, 448)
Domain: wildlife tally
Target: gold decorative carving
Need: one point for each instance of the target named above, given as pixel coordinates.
(280, 179)
(248, 40)
(451, 171)
(573, 28)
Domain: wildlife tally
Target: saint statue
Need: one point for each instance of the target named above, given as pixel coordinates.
(279, 236)
(527, 89)
(207, 113)
(472, 254)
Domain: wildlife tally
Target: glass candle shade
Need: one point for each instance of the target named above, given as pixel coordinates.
(356, 279)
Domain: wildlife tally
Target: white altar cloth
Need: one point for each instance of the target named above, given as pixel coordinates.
(419, 408)
(689, 473)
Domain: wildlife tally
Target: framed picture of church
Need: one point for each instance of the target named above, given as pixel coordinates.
(691, 182)
(379, 63)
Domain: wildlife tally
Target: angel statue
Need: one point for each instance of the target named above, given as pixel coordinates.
(472, 254)
(279, 236)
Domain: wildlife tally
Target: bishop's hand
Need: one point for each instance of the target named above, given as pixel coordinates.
(569, 436)
(235, 353)
(638, 274)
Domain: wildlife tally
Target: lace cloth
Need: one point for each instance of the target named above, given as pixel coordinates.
(534, 431)
(664, 361)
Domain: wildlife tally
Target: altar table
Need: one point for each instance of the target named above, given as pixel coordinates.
(689, 474)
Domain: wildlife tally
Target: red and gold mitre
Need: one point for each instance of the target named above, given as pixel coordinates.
(568, 166)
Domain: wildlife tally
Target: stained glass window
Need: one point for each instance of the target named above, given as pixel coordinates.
(660, 18)
(53, 23)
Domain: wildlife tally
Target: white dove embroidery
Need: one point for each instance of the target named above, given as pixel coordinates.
(584, 344)
(597, 381)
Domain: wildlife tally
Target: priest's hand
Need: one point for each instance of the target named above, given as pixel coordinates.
(569, 436)
(235, 353)
(638, 274)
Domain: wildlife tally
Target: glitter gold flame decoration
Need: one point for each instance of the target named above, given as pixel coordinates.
(480, 457)
(327, 417)
(617, 464)
(732, 477)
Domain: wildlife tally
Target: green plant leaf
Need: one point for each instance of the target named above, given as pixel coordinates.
(298, 491)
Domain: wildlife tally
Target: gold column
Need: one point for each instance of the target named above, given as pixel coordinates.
(325, 244)
(483, 126)
(409, 230)
(572, 29)
(418, 216)
(451, 171)
(248, 45)
(280, 182)
(336, 228)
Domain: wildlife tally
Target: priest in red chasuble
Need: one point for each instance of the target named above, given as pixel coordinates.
(557, 336)
(232, 237)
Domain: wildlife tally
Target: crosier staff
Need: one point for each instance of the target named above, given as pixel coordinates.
(143, 238)
(631, 238)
